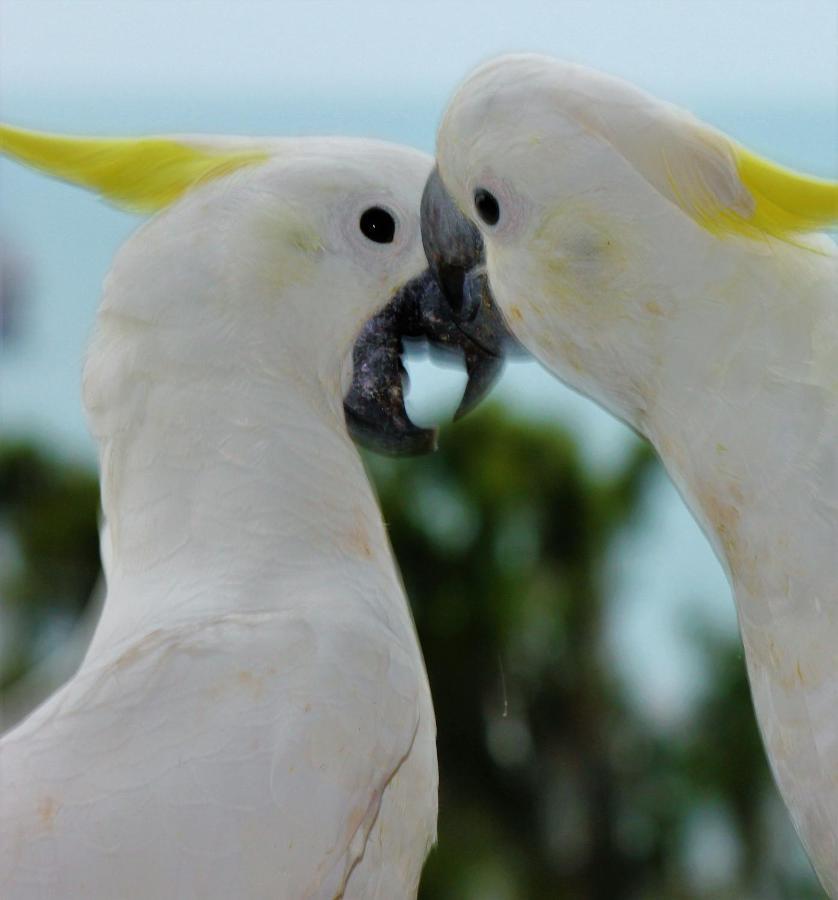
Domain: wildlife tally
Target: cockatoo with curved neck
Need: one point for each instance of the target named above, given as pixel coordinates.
(252, 718)
(678, 279)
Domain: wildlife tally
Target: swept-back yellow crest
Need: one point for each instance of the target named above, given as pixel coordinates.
(140, 174)
(787, 201)
(727, 188)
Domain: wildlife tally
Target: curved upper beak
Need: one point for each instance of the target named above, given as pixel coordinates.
(452, 243)
(455, 252)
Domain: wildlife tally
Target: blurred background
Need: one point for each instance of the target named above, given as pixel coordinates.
(596, 736)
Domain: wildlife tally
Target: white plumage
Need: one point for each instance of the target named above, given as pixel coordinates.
(671, 275)
(253, 717)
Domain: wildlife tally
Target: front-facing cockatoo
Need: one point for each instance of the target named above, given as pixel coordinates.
(659, 267)
(252, 719)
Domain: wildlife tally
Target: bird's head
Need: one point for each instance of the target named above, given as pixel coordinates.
(300, 257)
(595, 216)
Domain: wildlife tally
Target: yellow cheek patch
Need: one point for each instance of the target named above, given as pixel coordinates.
(290, 246)
(140, 174)
(304, 238)
(581, 255)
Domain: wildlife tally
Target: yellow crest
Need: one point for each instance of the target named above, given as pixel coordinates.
(728, 189)
(786, 201)
(140, 174)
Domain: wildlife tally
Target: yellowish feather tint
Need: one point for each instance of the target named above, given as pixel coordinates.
(140, 174)
(730, 190)
(786, 201)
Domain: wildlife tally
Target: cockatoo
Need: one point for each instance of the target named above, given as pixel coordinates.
(678, 279)
(252, 718)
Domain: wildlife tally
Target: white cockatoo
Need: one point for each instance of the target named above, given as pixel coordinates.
(657, 266)
(252, 718)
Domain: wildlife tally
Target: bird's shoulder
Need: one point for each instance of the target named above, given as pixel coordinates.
(276, 734)
(277, 657)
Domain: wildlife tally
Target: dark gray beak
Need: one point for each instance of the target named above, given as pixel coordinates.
(455, 253)
(374, 406)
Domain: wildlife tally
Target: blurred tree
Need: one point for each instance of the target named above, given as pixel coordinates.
(552, 783)
(49, 553)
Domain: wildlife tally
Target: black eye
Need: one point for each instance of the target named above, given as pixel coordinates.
(378, 225)
(487, 206)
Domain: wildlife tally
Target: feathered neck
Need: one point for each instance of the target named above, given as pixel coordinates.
(747, 425)
(231, 496)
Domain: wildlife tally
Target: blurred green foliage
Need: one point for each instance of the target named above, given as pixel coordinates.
(49, 552)
(553, 782)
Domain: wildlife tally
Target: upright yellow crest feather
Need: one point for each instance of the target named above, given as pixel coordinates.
(140, 174)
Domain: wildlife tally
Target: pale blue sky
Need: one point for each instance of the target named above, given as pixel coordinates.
(677, 48)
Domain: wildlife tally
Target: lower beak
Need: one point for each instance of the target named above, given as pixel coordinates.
(374, 406)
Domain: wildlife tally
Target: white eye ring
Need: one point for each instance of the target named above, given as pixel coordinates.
(487, 206)
(497, 208)
(373, 212)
